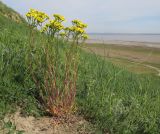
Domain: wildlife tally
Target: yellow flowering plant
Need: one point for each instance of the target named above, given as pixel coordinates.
(58, 70)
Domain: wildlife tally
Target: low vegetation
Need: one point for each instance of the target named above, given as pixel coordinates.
(115, 100)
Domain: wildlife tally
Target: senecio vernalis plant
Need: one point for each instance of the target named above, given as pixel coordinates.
(57, 84)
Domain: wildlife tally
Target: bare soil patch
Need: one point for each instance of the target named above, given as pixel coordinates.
(46, 125)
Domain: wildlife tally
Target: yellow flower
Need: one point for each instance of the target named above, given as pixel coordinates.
(77, 30)
(36, 17)
(54, 25)
(39, 19)
(82, 25)
(79, 24)
(28, 14)
(68, 29)
(59, 17)
(57, 25)
(76, 22)
(44, 29)
(62, 34)
(85, 36)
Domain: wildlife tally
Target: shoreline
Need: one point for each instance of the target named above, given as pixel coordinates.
(124, 43)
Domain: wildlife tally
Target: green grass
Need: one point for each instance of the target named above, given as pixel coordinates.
(138, 68)
(16, 88)
(118, 100)
(114, 99)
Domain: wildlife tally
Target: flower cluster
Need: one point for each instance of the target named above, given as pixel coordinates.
(36, 18)
(55, 27)
(63, 34)
(84, 36)
(78, 30)
(79, 24)
(59, 17)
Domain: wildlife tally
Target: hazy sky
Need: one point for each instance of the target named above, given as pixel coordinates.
(109, 16)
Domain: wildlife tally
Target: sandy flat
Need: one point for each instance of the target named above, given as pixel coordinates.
(130, 43)
(145, 54)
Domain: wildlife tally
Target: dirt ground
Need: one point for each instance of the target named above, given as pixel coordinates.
(46, 125)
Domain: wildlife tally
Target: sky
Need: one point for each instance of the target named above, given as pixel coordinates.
(102, 16)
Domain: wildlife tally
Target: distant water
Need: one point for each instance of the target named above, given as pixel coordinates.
(154, 38)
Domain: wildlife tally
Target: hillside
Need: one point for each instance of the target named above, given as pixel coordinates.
(111, 99)
(10, 13)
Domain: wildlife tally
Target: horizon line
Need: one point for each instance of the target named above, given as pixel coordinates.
(124, 33)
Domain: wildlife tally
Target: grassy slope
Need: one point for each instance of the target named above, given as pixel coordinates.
(119, 100)
(13, 88)
(10, 13)
(112, 98)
